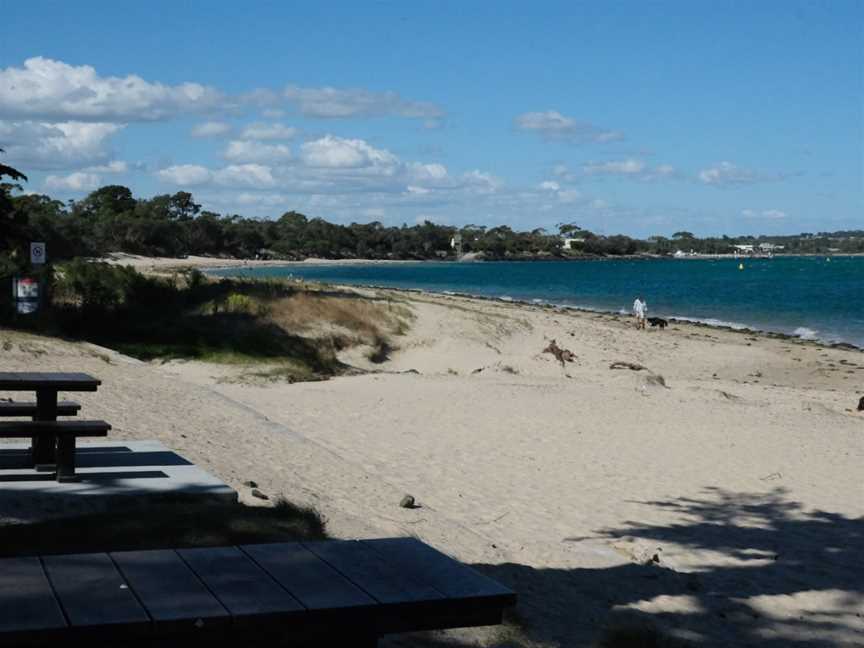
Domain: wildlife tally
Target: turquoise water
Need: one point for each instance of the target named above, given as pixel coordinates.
(811, 297)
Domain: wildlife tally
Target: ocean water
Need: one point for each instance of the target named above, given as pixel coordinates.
(811, 297)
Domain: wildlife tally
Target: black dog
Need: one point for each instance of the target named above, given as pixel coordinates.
(658, 321)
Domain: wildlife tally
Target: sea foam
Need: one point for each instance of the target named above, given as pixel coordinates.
(805, 333)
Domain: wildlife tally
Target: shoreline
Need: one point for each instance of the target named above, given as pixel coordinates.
(161, 265)
(681, 319)
(776, 335)
(213, 263)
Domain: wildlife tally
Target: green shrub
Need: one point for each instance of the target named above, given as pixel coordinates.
(95, 286)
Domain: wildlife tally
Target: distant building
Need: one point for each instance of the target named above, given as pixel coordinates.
(567, 243)
(770, 247)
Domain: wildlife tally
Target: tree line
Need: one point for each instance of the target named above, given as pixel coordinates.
(111, 219)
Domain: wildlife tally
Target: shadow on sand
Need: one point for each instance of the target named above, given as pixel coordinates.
(778, 559)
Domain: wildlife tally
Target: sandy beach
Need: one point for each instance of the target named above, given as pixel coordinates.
(717, 491)
(169, 264)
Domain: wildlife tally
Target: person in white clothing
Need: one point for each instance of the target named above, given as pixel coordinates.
(640, 308)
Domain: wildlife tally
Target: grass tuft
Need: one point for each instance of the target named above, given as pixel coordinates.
(168, 526)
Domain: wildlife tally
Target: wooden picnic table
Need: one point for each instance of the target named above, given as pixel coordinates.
(46, 385)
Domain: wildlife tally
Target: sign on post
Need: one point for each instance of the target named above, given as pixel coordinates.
(37, 253)
(25, 292)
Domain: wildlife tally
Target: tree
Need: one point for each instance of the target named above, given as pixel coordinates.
(12, 221)
(568, 229)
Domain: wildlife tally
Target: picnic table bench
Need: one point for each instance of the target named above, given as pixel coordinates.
(29, 408)
(64, 432)
(328, 593)
(53, 442)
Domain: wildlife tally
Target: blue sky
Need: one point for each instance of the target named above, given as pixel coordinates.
(635, 117)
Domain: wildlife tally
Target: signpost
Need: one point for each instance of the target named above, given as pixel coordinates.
(37, 253)
(25, 292)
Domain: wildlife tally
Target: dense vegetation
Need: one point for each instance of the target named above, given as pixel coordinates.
(293, 329)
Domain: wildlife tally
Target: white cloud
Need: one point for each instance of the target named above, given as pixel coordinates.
(252, 176)
(260, 131)
(211, 129)
(726, 174)
(115, 166)
(569, 196)
(481, 182)
(60, 145)
(273, 113)
(185, 175)
(622, 167)
(54, 90)
(356, 102)
(552, 125)
(263, 199)
(337, 153)
(427, 173)
(78, 181)
(629, 168)
(255, 176)
(417, 191)
(252, 151)
(550, 185)
(769, 214)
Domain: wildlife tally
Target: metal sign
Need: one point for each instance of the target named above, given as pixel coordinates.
(37, 253)
(25, 292)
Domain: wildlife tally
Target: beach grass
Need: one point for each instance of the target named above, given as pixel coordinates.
(300, 329)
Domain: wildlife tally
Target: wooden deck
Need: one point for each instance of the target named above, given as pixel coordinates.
(357, 589)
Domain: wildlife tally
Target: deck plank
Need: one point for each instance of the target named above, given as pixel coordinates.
(28, 606)
(174, 597)
(421, 562)
(371, 571)
(93, 593)
(240, 584)
(313, 582)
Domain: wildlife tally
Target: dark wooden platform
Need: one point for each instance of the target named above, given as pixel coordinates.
(313, 591)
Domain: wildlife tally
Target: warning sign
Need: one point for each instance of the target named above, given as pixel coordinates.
(37, 253)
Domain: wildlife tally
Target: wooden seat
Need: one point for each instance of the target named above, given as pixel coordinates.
(325, 593)
(22, 429)
(19, 408)
(61, 433)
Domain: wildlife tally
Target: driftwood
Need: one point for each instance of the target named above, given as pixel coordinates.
(561, 355)
(620, 364)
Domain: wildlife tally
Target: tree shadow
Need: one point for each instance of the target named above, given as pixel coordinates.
(769, 573)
